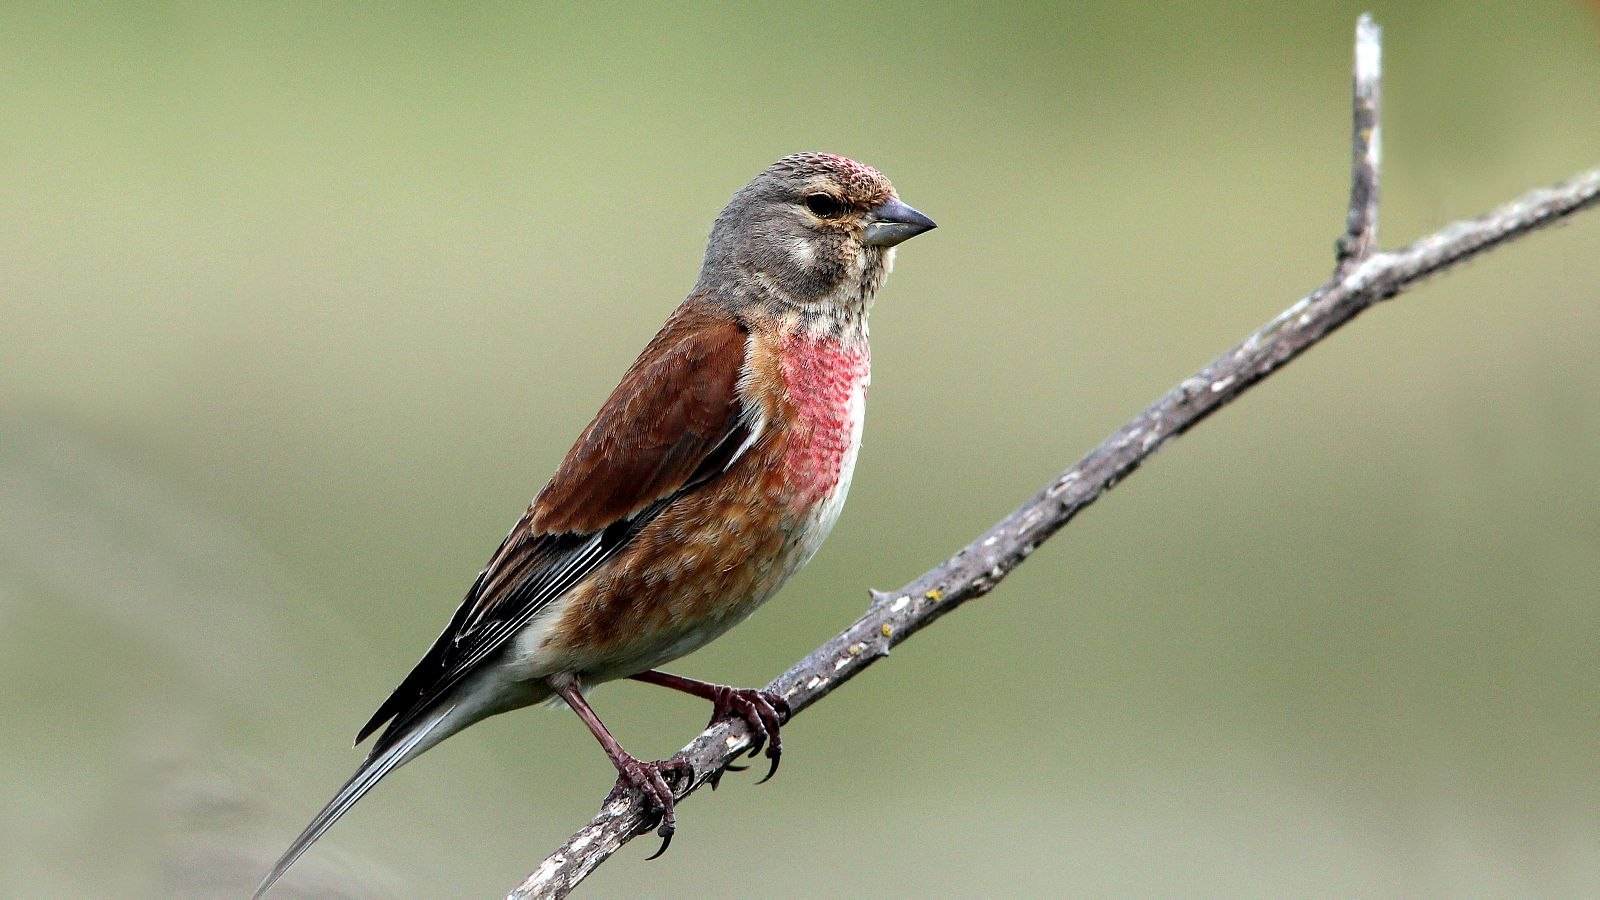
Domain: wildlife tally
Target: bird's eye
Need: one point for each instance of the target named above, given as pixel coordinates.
(823, 205)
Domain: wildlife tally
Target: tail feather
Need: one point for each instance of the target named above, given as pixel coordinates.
(369, 774)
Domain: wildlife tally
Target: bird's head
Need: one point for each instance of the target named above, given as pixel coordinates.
(813, 232)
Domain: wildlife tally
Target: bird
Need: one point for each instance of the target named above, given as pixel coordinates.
(711, 474)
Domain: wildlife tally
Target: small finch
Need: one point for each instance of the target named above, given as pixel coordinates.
(711, 474)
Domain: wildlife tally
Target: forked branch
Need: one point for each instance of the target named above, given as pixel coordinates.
(1361, 278)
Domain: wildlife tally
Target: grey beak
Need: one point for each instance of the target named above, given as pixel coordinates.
(894, 222)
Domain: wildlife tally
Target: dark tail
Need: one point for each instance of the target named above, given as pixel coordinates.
(370, 773)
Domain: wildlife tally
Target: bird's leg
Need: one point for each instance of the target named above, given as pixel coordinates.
(762, 711)
(647, 777)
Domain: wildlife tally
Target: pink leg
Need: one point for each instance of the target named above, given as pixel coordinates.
(762, 710)
(647, 777)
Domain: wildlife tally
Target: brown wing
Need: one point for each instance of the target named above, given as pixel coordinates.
(672, 424)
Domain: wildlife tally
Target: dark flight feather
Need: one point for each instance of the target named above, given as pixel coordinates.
(674, 423)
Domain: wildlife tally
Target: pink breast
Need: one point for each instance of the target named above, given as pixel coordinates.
(824, 379)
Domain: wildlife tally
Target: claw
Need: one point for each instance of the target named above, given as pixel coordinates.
(763, 713)
(666, 841)
(776, 758)
(650, 779)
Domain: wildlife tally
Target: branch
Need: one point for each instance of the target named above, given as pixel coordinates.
(1360, 236)
(1361, 278)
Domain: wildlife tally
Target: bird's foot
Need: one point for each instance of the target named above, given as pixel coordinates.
(762, 711)
(653, 781)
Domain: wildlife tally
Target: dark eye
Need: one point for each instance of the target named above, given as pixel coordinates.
(824, 205)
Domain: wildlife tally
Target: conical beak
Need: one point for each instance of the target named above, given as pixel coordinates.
(893, 223)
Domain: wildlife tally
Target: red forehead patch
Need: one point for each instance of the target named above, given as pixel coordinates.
(858, 179)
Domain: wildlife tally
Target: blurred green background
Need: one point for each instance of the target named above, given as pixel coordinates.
(301, 303)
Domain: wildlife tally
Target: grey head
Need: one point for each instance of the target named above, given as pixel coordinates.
(814, 233)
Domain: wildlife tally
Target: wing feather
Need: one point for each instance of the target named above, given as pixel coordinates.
(673, 423)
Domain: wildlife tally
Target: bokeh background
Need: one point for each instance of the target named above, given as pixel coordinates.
(301, 303)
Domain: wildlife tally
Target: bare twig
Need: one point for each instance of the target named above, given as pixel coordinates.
(1360, 236)
(1362, 277)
